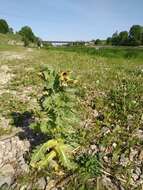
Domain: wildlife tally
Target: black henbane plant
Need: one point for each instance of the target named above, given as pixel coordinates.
(57, 120)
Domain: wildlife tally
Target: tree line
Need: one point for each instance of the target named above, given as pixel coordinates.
(25, 32)
(132, 38)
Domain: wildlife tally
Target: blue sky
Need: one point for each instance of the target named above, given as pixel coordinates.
(72, 19)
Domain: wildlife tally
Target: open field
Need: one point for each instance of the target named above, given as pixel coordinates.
(99, 72)
(110, 87)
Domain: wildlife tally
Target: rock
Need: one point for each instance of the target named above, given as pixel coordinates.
(5, 75)
(14, 186)
(102, 148)
(138, 171)
(95, 114)
(135, 177)
(139, 134)
(130, 116)
(4, 123)
(141, 176)
(108, 184)
(23, 165)
(132, 155)
(12, 150)
(93, 149)
(114, 145)
(50, 185)
(105, 158)
(4, 187)
(105, 131)
(141, 155)
(123, 160)
(6, 175)
(90, 152)
(41, 183)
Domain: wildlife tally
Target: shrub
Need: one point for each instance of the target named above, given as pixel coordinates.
(27, 35)
(4, 28)
(57, 118)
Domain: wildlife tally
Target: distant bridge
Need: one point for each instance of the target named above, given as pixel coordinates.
(64, 42)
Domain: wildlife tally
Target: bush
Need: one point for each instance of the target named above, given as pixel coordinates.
(27, 35)
(57, 119)
(4, 28)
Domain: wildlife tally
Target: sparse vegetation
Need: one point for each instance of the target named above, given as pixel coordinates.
(103, 113)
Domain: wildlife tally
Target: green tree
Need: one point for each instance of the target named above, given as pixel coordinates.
(4, 28)
(109, 41)
(142, 39)
(135, 35)
(38, 41)
(98, 42)
(123, 38)
(115, 38)
(27, 34)
(25, 41)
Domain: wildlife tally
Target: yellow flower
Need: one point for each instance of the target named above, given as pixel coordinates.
(64, 76)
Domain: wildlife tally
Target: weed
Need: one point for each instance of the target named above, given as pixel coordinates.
(58, 116)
